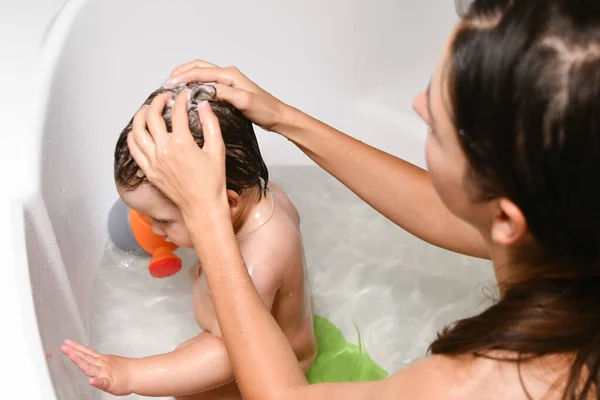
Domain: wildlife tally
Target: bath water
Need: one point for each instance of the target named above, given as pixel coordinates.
(365, 273)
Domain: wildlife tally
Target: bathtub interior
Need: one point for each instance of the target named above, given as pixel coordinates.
(352, 64)
(366, 276)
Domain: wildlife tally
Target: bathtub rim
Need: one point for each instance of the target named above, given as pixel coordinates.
(27, 375)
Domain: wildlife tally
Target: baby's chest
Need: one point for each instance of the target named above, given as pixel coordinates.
(202, 304)
(203, 307)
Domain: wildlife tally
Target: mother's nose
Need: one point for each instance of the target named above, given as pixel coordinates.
(420, 106)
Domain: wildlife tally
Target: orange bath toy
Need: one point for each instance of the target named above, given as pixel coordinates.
(131, 231)
(164, 263)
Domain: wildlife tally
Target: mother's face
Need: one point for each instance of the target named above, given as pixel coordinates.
(446, 162)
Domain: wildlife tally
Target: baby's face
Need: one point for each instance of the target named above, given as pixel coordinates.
(167, 220)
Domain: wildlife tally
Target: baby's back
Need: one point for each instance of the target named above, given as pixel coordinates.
(280, 241)
(292, 308)
(274, 256)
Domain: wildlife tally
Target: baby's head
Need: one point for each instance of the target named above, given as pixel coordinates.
(247, 174)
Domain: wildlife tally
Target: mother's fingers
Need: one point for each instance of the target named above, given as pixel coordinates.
(190, 65)
(140, 135)
(239, 98)
(179, 117)
(154, 119)
(224, 76)
(213, 140)
(138, 155)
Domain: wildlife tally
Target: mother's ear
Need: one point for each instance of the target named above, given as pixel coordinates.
(509, 225)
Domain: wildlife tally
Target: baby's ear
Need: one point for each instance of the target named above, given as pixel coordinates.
(234, 201)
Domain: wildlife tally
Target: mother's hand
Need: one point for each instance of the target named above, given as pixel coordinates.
(193, 178)
(232, 86)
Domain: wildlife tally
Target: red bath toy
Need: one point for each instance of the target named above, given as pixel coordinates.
(164, 263)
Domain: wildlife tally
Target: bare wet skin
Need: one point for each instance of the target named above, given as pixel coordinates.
(365, 273)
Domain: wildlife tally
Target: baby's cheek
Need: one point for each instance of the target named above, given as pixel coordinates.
(184, 238)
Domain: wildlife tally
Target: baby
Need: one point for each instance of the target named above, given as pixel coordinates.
(267, 228)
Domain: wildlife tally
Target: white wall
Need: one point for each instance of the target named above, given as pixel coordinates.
(354, 64)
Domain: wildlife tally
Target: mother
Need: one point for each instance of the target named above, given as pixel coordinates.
(513, 156)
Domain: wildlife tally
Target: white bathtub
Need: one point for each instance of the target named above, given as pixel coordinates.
(82, 68)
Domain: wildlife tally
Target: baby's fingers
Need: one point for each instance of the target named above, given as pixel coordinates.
(102, 383)
(88, 368)
(81, 347)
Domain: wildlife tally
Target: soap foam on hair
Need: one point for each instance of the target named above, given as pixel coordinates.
(198, 93)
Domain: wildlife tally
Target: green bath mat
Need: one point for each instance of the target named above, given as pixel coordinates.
(340, 361)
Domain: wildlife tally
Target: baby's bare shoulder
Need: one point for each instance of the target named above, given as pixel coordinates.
(277, 248)
(284, 202)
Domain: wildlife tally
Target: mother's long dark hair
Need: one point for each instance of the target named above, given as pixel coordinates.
(524, 90)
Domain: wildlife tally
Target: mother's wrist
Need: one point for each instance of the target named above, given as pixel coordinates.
(291, 122)
(207, 214)
(210, 229)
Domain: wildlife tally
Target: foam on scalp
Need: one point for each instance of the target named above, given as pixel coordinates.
(245, 167)
(198, 93)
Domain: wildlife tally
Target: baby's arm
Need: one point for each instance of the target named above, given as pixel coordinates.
(195, 366)
(202, 363)
(198, 365)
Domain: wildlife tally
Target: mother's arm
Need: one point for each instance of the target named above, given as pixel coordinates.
(400, 191)
(264, 364)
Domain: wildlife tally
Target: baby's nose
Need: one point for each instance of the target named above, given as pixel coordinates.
(157, 230)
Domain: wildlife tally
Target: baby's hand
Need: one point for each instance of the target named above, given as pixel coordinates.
(106, 372)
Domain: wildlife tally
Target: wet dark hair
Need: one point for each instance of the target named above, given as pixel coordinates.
(524, 93)
(244, 165)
